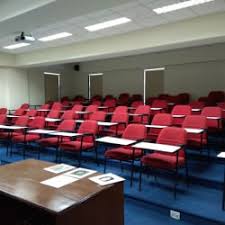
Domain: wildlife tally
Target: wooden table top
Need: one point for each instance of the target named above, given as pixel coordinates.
(21, 181)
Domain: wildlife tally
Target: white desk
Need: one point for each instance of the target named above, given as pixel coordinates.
(12, 127)
(12, 116)
(196, 110)
(157, 147)
(178, 116)
(213, 118)
(65, 134)
(43, 110)
(52, 120)
(156, 109)
(114, 140)
(41, 131)
(155, 126)
(107, 124)
(103, 107)
(83, 112)
(194, 131)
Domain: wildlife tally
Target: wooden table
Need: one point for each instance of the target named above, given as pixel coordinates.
(82, 202)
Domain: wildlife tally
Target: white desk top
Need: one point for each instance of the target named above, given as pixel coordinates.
(65, 134)
(79, 121)
(213, 118)
(178, 116)
(194, 131)
(135, 114)
(156, 109)
(171, 103)
(115, 140)
(41, 131)
(52, 120)
(83, 112)
(12, 116)
(12, 127)
(221, 155)
(103, 107)
(157, 147)
(43, 110)
(155, 126)
(196, 110)
(106, 124)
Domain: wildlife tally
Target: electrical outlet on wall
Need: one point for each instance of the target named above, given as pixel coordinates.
(175, 214)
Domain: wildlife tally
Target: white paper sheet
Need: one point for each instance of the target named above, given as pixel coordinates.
(59, 181)
(80, 173)
(105, 179)
(59, 168)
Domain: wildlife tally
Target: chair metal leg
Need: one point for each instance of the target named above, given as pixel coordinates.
(96, 156)
(175, 183)
(79, 158)
(140, 176)
(132, 173)
(105, 161)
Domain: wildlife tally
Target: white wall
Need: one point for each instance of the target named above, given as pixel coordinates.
(196, 70)
(14, 87)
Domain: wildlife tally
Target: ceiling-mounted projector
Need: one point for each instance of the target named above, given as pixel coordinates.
(24, 38)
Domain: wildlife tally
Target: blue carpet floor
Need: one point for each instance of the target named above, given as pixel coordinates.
(200, 203)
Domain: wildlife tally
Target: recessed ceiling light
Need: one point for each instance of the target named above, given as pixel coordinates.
(15, 46)
(180, 5)
(107, 24)
(50, 73)
(55, 36)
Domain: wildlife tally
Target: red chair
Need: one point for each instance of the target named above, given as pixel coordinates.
(196, 107)
(133, 132)
(18, 112)
(68, 115)
(216, 96)
(91, 109)
(96, 102)
(98, 116)
(6, 136)
(179, 113)
(96, 98)
(31, 113)
(222, 106)
(159, 105)
(66, 126)
(3, 119)
(123, 99)
(150, 100)
(184, 98)
(110, 103)
(142, 114)
(37, 123)
(25, 106)
(77, 108)
(121, 109)
(108, 97)
(135, 105)
(196, 122)
(3, 111)
(53, 114)
(57, 106)
(122, 120)
(45, 107)
(168, 161)
(212, 112)
(136, 97)
(160, 119)
(84, 143)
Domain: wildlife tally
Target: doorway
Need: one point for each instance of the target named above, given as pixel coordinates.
(95, 84)
(52, 87)
(153, 82)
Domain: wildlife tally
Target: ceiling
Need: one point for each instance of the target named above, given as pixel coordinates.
(46, 17)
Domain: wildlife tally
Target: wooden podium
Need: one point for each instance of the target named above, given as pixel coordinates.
(24, 200)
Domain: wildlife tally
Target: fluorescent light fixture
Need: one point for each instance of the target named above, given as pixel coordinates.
(180, 5)
(15, 46)
(50, 73)
(107, 24)
(55, 36)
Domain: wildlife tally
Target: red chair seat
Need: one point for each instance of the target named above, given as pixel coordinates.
(164, 161)
(76, 145)
(123, 153)
(4, 135)
(28, 138)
